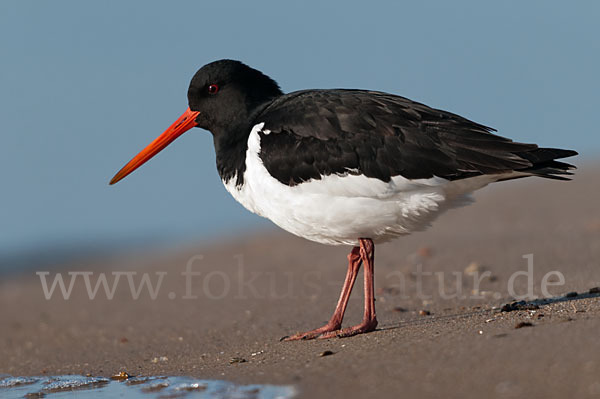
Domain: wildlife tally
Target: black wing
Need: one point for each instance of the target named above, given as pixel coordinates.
(314, 133)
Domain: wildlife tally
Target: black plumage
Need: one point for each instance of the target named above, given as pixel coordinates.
(314, 133)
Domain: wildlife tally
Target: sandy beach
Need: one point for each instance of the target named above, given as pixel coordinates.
(440, 296)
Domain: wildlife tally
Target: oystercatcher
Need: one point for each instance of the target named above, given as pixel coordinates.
(345, 167)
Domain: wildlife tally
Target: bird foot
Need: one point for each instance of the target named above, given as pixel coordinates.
(364, 327)
(312, 334)
(330, 331)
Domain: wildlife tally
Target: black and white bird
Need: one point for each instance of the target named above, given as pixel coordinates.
(345, 167)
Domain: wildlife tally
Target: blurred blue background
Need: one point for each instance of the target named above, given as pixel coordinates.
(86, 85)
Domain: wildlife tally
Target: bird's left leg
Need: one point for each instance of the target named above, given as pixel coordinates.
(335, 323)
(369, 323)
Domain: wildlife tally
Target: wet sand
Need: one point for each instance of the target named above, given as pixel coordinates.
(440, 334)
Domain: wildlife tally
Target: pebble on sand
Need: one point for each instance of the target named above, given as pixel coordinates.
(122, 375)
(521, 305)
(473, 267)
(425, 252)
(523, 324)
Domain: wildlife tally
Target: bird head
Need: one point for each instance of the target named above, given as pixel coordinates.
(222, 97)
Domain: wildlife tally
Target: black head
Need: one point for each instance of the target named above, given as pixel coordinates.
(223, 97)
(227, 93)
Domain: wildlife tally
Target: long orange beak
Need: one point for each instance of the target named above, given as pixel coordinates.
(181, 125)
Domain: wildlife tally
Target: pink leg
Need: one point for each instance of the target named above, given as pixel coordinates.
(335, 323)
(369, 323)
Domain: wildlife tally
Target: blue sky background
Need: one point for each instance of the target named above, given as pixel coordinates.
(86, 85)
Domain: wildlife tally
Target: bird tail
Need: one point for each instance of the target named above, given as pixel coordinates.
(544, 163)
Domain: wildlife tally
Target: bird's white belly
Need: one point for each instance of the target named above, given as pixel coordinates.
(339, 209)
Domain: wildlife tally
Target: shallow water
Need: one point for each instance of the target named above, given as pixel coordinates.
(75, 386)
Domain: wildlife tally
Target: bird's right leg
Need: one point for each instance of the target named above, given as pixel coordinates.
(335, 323)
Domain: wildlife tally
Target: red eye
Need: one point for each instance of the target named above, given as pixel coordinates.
(213, 89)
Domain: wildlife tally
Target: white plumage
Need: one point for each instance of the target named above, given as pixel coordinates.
(339, 209)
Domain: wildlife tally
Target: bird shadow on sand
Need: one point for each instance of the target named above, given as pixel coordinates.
(523, 305)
